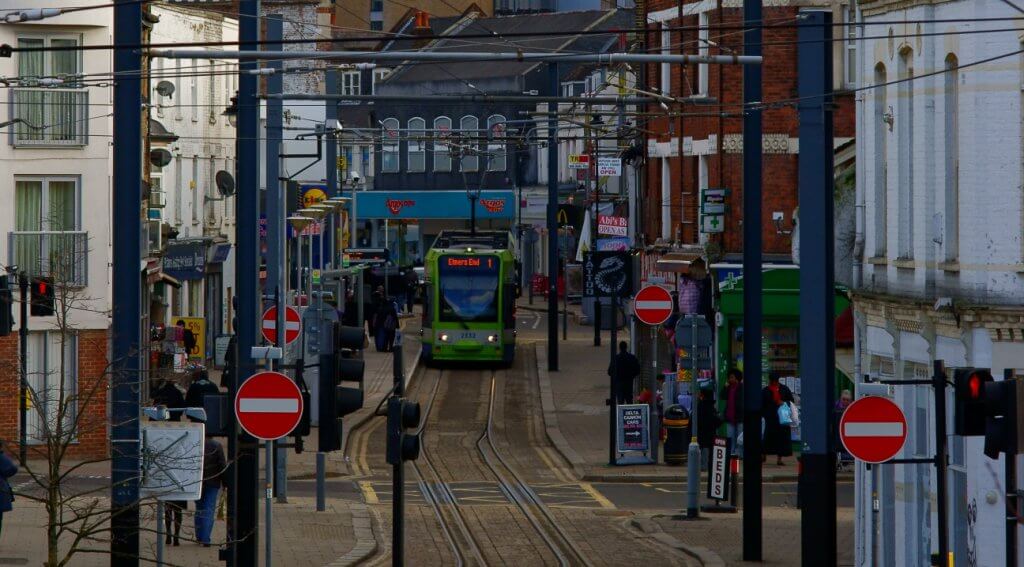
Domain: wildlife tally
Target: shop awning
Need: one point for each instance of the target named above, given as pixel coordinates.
(844, 328)
(680, 262)
(170, 280)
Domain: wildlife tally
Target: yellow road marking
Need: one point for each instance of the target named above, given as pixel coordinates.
(604, 502)
(369, 494)
(362, 462)
(558, 472)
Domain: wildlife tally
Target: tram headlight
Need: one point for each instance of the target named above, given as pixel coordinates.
(444, 337)
(492, 338)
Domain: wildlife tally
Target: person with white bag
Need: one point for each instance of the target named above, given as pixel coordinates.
(777, 412)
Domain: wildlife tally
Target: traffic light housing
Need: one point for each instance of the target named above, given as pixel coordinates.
(402, 446)
(337, 401)
(6, 307)
(1003, 431)
(42, 297)
(969, 386)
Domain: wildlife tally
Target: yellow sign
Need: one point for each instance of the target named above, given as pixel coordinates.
(197, 325)
(342, 163)
(313, 195)
(579, 161)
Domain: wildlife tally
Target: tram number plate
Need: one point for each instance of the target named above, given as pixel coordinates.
(471, 335)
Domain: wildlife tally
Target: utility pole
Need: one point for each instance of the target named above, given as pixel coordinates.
(23, 389)
(245, 450)
(276, 213)
(331, 154)
(126, 329)
(553, 220)
(817, 289)
(752, 282)
(597, 211)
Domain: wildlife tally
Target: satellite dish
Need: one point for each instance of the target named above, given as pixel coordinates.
(159, 157)
(225, 183)
(165, 88)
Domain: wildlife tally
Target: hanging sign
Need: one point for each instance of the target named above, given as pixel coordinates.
(579, 161)
(609, 166)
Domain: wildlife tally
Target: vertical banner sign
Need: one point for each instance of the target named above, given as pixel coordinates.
(718, 476)
(632, 427)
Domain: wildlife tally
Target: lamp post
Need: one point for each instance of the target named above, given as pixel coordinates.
(298, 224)
(314, 215)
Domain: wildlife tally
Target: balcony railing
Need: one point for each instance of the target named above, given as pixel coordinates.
(51, 117)
(63, 256)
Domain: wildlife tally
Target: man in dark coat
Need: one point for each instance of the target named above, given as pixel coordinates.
(7, 469)
(707, 423)
(201, 387)
(624, 371)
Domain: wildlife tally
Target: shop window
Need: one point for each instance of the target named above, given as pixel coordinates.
(442, 139)
(417, 156)
(389, 146)
(469, 126)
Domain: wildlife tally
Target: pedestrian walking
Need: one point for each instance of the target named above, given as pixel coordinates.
(7, 469)
(624, 371)
(777, 432)
(732, 395)
(412, 283)
(350, 312)
(708, 422)
(169, 395)
(189, 338)
(214, 466)
(200, 387)
(376, 304)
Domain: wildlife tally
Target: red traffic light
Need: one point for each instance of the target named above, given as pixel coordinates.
(974, 385)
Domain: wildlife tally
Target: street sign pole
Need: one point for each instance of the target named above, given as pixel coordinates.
(553, 85)
(398, 469)
(693, 450)
(612, 401)
(652, 385)
(268, 503)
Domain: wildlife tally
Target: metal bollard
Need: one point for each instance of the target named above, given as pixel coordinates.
(692, 479)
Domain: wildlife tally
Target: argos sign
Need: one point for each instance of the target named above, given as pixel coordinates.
(434, 205)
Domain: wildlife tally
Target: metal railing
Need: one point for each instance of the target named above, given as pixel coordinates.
(52, 117)
(63, 256)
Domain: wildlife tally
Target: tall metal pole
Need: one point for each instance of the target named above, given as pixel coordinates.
(613, 398)
(752, 229)
(597, 210)
(246, 458)
(553, 221)
(276, 213)
(817, 290)
(23, 388)
(268, 503)
(331, 154)
(1012, 498)
(942, 463)
(126, 327)
(398, 470)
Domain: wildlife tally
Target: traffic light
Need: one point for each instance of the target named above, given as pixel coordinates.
(402, 446)
(337, 401)
(1003, 432)
(6, 303)
(42, 297)
(969, 385)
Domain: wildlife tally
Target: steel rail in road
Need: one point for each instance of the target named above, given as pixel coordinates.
(431, 496)
(519, 487)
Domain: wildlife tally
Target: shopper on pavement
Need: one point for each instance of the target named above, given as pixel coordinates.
(777, 436)
(189, 338)
(201, 387)
(412, 283)
(7, 469)
(214, 465)
(169, 395)
(624, 371)
(707, 422)
(732, 395)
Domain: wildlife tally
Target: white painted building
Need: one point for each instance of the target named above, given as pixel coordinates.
(55, 182)
(194, 208)
(941, 255)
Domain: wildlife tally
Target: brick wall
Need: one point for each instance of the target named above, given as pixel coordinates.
(92, 386)
(725, 169)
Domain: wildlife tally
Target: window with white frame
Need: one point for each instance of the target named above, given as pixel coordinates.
(850, 44)
(193, 92)
(417, 156)
(179, 198)
(469, 127)
(951, 238)
(193, 185)
(905, 141)
(366, 161)
(46, 239)
(496, 152)
(442, 137)
(211, 192)
(350, 83)
(378, 76)
(390, 146)
(881, 119)
(177, 88)
(51, 116)
(703, 49)
(52, 375)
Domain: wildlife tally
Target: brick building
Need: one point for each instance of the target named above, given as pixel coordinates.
(698, 145)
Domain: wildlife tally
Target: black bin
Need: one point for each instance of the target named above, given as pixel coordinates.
(677, 434)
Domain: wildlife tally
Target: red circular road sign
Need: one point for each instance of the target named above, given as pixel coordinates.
(653, 305)
(292, 325)
(268, 405)
(873, 429)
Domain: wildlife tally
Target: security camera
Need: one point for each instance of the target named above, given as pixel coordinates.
(355, 176)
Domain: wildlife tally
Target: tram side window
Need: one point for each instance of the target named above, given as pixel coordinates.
(468, 288)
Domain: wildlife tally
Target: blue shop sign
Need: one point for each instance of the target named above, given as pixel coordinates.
(185, 260)
(220, 253)
(434, 205)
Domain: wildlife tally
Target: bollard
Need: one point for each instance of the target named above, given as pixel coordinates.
(734, 463)
(692, 479)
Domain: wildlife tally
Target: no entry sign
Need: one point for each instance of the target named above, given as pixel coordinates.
(268, 405)
(873, 429)
(653, 305)
(292, 325)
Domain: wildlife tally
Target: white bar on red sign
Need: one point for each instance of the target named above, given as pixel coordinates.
(268, 405)
(868, 429)
(653, 304)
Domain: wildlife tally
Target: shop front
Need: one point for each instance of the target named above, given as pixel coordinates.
(780, 343)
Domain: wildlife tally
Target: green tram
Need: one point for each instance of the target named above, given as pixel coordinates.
(470, 298)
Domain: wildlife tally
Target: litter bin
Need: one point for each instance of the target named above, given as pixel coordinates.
(677, 434)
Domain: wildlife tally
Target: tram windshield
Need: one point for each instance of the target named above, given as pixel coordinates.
(469, 288)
